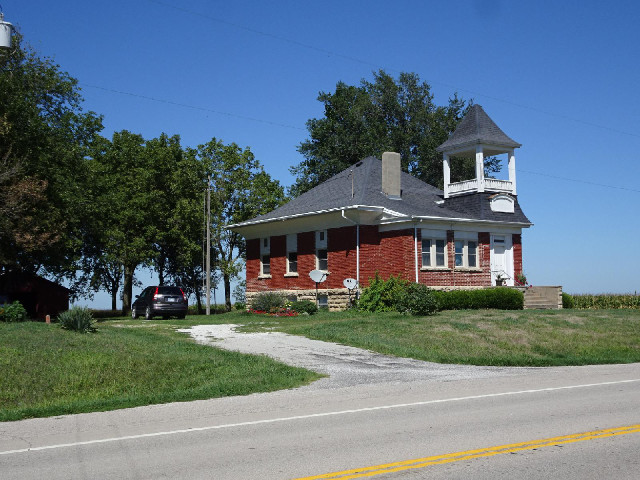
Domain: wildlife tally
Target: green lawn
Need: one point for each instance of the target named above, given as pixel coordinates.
(49, 371)
(482, 337)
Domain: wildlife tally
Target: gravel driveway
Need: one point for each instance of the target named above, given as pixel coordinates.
(346, 366)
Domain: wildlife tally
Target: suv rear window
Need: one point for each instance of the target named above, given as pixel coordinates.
(169, 291)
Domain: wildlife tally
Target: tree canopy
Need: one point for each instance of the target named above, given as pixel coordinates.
(44, 138)
(374, 117)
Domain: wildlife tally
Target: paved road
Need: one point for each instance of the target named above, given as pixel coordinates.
(319, 430)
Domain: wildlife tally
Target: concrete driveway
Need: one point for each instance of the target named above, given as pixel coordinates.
(346, 366)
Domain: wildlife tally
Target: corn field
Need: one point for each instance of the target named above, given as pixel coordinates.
(606, 301)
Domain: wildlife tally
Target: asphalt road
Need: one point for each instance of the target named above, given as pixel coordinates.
(484, 424)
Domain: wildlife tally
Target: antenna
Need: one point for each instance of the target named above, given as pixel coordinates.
(350, 284)
(318, 276)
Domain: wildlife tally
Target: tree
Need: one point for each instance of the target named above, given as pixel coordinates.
(240, 190)
(125, 206)
(378, 116)
(44, 138)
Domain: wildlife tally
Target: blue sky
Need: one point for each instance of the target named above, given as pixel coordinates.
(559, 77)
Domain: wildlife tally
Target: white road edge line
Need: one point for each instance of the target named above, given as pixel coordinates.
(313, 415)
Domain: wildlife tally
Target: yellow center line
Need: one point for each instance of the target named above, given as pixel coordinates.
(470, 454)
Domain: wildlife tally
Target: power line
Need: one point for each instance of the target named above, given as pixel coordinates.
(580, 181)
(371, 64)
(194, 107)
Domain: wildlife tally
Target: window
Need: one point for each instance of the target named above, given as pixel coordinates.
(292, 255)
(292, 262)
(265, 265)
(265, 257)
(323, 301)
(322, 262)
(466, 250)
(434, 252)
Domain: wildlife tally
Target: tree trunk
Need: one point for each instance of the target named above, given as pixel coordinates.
(114, 298)
(227, 292)
(127, 288)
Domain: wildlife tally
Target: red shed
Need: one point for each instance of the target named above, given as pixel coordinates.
(39, 296)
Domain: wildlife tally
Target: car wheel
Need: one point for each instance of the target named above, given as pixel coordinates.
(148, 314)
(134, 314)
(181, 316)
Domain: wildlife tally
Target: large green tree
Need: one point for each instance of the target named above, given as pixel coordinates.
(373, 117)
(240, 190)
(125, 208)
(44, 138)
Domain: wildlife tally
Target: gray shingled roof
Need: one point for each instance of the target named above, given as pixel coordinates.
(475, 128)
(418, 198)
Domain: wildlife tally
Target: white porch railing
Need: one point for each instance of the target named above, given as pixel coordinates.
(490, 185)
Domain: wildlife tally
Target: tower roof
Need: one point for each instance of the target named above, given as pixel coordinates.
(477, 128)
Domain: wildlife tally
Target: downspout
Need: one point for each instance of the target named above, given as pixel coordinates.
(415, 249)
(357, 246)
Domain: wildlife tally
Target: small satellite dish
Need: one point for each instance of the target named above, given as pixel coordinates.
(318, 276)
(350, 283)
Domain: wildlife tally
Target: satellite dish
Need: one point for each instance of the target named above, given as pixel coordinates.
(318, 276)
(350, 283)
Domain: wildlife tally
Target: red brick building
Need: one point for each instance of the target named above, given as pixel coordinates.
(372, 217)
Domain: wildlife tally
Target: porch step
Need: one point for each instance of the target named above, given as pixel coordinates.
(543, 298)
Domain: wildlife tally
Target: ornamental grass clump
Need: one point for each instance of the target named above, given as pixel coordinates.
(78, 319)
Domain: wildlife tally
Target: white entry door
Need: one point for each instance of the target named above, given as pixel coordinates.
(501, 259)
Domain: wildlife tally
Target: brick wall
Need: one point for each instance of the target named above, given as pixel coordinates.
(388, 253)
(517, 254)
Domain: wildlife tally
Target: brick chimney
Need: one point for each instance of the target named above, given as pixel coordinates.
(391, 168)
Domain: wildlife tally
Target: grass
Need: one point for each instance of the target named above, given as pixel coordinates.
(48, 371)
(482, 337)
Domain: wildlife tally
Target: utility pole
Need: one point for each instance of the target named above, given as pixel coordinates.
(209, 245)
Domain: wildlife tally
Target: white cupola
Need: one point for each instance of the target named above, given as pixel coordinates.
(477, 136)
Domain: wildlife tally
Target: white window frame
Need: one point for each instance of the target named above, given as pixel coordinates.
(323, 301)
(267, 264)
(292, 273)
(265, 252)
(318, 267)
(292, 248)
(464, 238)
(434, 237)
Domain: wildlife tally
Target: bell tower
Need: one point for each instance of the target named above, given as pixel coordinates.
(477, 136)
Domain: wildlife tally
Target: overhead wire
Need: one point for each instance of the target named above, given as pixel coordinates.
(364, 62)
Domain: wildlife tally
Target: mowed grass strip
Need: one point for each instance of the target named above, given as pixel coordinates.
(49, 371)
(482, 337)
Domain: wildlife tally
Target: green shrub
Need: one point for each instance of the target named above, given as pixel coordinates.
(240, 306)
(304, 306)
(78, 319)
(499, 298)
(417, 299)
(382, 295)
(13, 312)
(567, 301)
(269, 302)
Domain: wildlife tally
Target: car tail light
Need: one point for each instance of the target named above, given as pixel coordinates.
(183, 295)
(155, 295)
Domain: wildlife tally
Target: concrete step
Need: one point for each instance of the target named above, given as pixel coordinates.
(543, 298)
